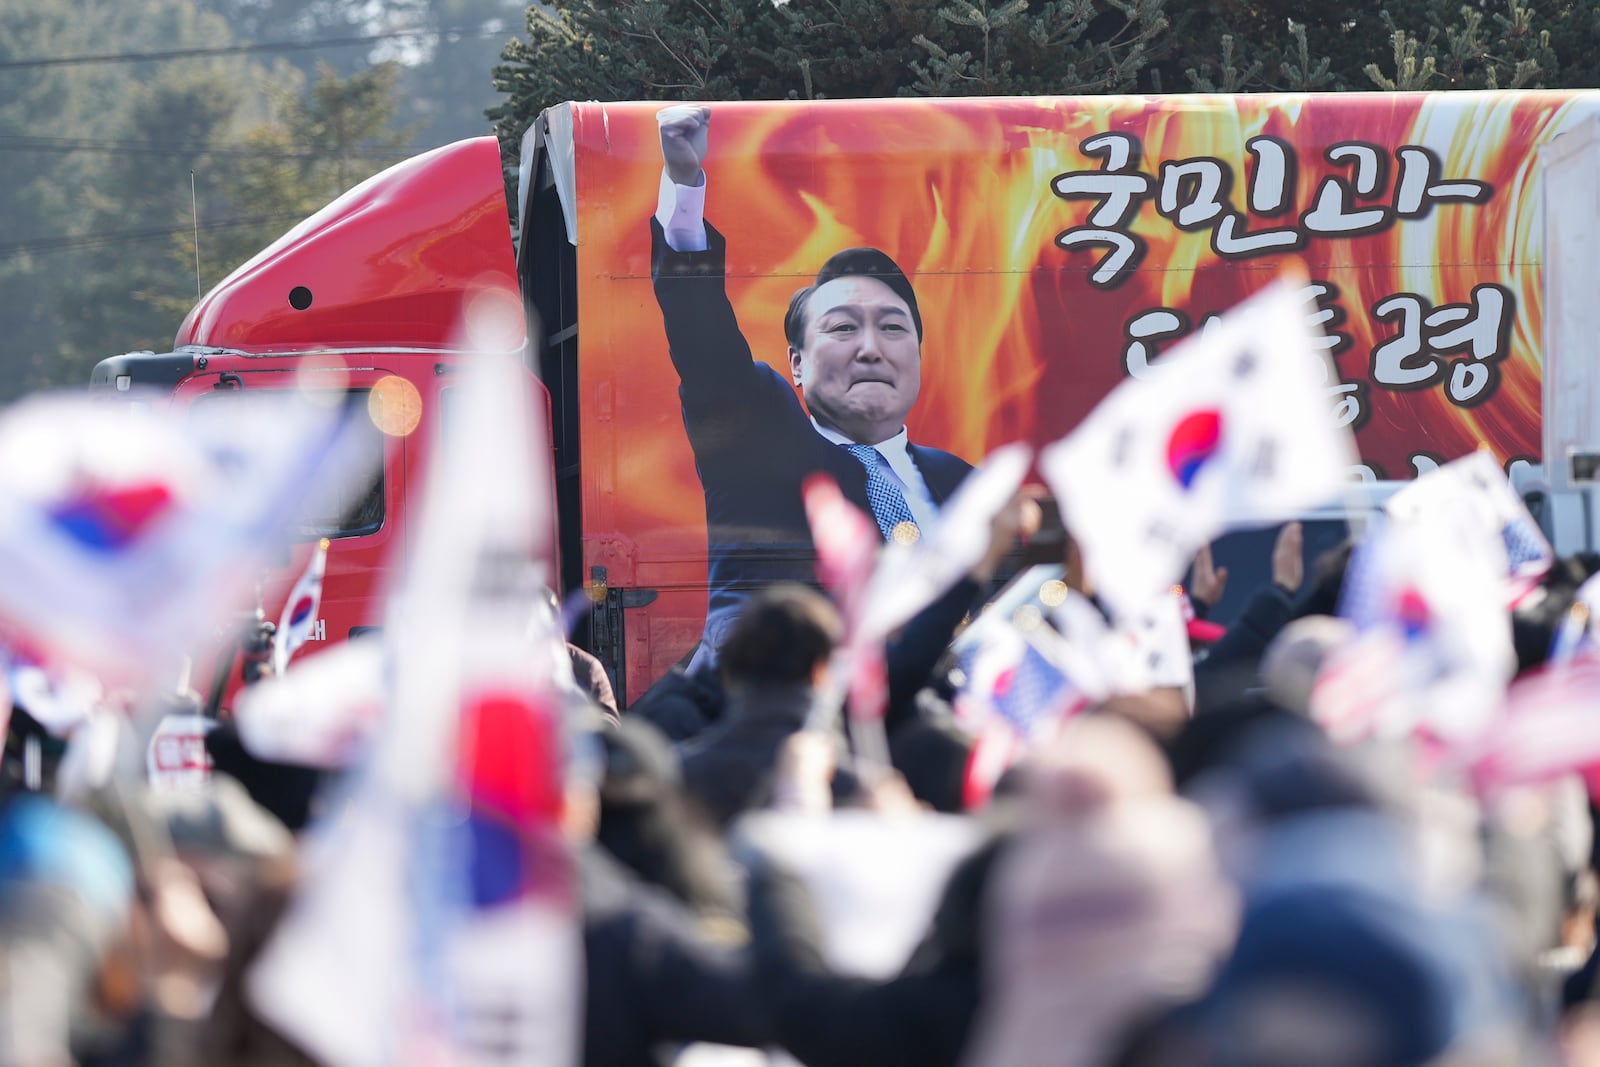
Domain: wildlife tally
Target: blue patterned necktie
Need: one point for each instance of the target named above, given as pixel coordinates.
(889, 505)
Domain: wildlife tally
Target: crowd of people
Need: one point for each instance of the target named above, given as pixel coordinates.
(1167, 878)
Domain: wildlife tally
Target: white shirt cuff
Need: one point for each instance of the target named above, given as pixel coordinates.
(681, 210)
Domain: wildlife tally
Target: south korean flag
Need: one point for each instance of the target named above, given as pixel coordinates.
(1232, 428)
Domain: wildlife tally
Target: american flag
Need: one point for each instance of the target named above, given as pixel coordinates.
(1031, 695)
(1474, 490)
(1363, 595)
(1527, 551)
(1018, 698)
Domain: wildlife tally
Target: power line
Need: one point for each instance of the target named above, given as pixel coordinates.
(25, 143)
(241, 49)
(67, 243)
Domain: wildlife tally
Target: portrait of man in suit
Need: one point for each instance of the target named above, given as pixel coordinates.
(854, 338)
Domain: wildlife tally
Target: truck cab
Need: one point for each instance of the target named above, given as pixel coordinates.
(374, 300)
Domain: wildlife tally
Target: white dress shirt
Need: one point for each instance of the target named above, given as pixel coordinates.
(681, 210)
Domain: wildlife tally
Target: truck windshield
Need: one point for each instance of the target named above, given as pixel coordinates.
(357, 511)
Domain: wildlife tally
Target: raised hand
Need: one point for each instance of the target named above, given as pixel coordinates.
(684, 135)
(1207, 581)
(1288, 560)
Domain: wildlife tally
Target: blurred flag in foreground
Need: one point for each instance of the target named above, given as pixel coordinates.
(1474, 489)
(129, 535)
(909, 577)
(848, 541)
(1432, 648)
(1550, 728)
(880, 588)
(1023, 683)
(321, 712)
(438, 920)
(299, 616)
(1231, 428)
(1575, 635)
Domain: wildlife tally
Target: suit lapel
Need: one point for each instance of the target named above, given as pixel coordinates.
(940, 472)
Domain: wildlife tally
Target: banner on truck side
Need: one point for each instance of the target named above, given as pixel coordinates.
(1059, 245)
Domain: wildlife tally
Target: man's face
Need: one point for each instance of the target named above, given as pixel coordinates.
(861, 367)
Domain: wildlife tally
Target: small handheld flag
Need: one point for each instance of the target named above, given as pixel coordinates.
(1232, 428)
(299, 616)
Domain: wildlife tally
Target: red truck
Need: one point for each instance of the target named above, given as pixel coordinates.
(1056, 244)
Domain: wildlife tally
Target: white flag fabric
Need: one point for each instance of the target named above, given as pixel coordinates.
(1432, 647)
(130, 534)
(438, 915)
(1476, 490)
(909, 577)
(1550, 728)
(1160, 644)
(1231, 428)
(59, 701)
(324, 711)
(875, 878)
(299, 616)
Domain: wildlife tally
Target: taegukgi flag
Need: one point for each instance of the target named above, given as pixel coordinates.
(1231, 428)
(437, 921)
(299, 616)
(1432, 649)
(129, 534)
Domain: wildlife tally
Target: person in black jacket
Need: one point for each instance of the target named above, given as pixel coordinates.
(655, 977)
(659, 973)
(774, 661)
(1230, 665)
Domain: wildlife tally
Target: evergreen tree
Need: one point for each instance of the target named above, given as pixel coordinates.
(810, 49)
(758, 49)
(66, 131)
(124, 293)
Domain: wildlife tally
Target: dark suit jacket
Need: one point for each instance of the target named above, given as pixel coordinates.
(753, 443)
